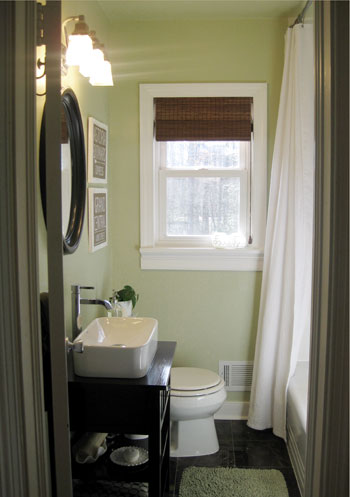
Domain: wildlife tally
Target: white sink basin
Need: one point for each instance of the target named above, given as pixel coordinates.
(117, 347)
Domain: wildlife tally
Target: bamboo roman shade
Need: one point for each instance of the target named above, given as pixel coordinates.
(203, 118)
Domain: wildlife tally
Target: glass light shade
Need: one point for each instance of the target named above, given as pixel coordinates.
(92, 64)
(79, 49)
(103, 75)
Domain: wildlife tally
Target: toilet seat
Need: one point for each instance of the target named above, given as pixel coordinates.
(193, 382)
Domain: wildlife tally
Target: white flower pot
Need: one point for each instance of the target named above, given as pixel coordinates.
(125, 308)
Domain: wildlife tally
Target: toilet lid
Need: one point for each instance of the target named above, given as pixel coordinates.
(193, 379)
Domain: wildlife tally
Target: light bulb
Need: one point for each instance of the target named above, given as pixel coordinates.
(79, 49)
(89, 66)
(103, 75)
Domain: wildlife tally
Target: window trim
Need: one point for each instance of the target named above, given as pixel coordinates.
(154, 256)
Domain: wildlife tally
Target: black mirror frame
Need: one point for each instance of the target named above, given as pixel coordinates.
(77, 147)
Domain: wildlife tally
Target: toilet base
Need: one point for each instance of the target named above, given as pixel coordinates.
(194, 437)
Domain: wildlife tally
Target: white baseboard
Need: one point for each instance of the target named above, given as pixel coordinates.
(233, 410)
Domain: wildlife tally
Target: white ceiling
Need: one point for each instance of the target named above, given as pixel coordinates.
(162, 10)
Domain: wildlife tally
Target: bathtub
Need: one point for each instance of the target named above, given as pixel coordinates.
(296, 421)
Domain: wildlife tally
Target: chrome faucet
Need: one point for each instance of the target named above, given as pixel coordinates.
(76, 303)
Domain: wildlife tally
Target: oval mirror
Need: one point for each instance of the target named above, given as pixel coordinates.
(73, 171)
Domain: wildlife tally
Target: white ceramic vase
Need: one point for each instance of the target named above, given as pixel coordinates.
(125, 308)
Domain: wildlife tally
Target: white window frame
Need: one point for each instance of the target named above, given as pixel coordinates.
(155, 253)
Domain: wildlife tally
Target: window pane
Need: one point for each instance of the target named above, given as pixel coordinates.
(203, 154)
(201, 206)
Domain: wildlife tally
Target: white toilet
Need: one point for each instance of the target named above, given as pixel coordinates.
(196, 395)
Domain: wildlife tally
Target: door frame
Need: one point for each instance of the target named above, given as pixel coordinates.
(24, 461)
(327, 464)
(25, 466)
(60, 441)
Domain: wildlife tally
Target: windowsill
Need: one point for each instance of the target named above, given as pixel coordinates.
(202, 259)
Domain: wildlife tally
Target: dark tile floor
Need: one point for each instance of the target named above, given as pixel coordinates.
(240, 447)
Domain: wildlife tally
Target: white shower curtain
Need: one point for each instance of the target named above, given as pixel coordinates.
(285, 305)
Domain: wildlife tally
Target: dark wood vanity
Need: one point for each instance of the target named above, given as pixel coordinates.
(115, 405)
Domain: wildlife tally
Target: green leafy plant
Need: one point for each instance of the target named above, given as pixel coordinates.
(125, 294)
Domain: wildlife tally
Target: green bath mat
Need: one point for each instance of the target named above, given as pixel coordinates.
(232, 482)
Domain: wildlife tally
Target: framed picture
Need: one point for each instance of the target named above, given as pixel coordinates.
(98, 218)
(97, 151)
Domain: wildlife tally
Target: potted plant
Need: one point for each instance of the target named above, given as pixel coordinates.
(124, 300)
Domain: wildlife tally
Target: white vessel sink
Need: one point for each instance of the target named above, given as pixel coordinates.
(117, 347)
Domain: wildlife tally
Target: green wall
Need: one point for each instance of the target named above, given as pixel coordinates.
(82, 267)
(211, 315)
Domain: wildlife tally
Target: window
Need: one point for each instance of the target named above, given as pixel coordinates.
(203, 176)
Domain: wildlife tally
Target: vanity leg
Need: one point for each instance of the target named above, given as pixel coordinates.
(154, 447)
(166, 457)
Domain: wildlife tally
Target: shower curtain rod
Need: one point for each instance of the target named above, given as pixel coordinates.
(300, 18)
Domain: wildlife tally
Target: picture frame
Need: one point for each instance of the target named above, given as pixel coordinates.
(97, 151)
(98, 218)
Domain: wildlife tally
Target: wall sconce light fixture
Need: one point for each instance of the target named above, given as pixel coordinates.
(79, 46)
(103, 76)
(96, 57)
(84, 50)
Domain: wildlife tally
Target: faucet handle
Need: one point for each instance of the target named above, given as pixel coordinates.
(77, 288)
